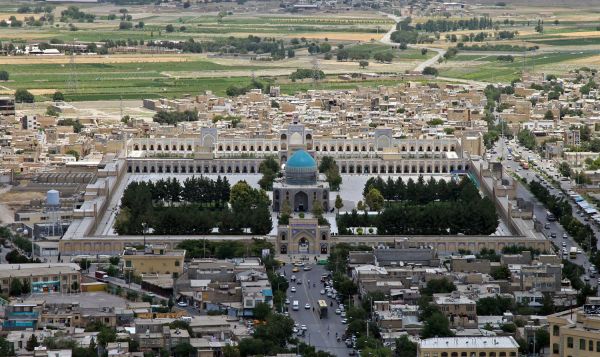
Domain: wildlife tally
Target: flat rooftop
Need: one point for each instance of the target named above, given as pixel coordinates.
(447, 343)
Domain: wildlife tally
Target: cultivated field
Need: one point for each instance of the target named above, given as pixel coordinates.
(570, 40)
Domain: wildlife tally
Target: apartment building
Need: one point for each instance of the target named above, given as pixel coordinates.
(41, 277)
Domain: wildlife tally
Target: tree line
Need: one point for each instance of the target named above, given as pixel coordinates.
(582, 233)
(429, 208)
(444, 25)
(196, 207)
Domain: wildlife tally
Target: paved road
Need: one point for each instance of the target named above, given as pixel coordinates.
(316, 334)
(540, 209)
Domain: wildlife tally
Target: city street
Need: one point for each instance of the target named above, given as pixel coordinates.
(539, 209)
(320, 333)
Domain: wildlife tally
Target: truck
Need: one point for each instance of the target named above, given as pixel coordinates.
(295, 305)
(101, 275)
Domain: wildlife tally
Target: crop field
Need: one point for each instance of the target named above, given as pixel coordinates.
(487, 68)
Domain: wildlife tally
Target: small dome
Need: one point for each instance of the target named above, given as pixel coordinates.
(301, 160)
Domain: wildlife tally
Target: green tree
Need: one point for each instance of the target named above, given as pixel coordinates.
(549, 115)
(58, 97)
(363, 64)
(438, 286)
(405, 347)
(527, 139)
(25, 287)
(338, 203)
(169, 28)
(261, 311)
(5, 348)
(184, 349)
(430, 71)
(436, 325)
(84, 264)
(75, 154)
(23, 96)
(374, 200)
(317, 208)
(32, 343)
(15, 287)
(4, 76)
(564, 169)
(502, 273)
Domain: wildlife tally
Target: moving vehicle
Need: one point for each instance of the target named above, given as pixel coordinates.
(293, 289)
(295, 305)
(307, 306)
(101, 275)
(295, 270)
(307, 268)
(322, 308)
(182, 304)
(550, 217)
(573, 253)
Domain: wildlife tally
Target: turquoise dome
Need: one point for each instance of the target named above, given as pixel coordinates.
(301, 160)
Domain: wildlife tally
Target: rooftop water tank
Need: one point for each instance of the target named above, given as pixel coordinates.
(53, 198)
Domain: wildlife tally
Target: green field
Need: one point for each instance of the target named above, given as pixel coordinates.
(127, 80)
(581, 41)
(496, 71)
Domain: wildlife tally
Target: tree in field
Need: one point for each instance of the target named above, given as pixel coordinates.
(430, 71)
(363, 64)
(58, 97)
(23, 96)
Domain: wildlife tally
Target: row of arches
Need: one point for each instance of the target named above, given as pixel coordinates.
(161, 147)
(243, 148)
(369, 147)
(476, 354)
(401, 169)
(199, 169)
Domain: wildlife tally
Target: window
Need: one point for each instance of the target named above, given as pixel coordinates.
(128, 263)
(590, 345)
(555, 348)
(597, 346)
(177, 263)
(582, 344)
(570, 342)
(555, 330)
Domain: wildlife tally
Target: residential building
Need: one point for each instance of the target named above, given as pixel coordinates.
(155, 259)
(576, 332)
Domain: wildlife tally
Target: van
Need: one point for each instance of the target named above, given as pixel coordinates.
(295, 305)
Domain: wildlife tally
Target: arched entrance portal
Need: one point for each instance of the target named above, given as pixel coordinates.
(303, 246)
(300, 202)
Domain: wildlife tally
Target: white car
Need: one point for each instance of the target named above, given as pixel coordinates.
(182, 304)
(307, 306)
(338, 311)
(293, 289)
(344, 321)
(322, 292)
(287, 301)
(303, 327)
(343, 314)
